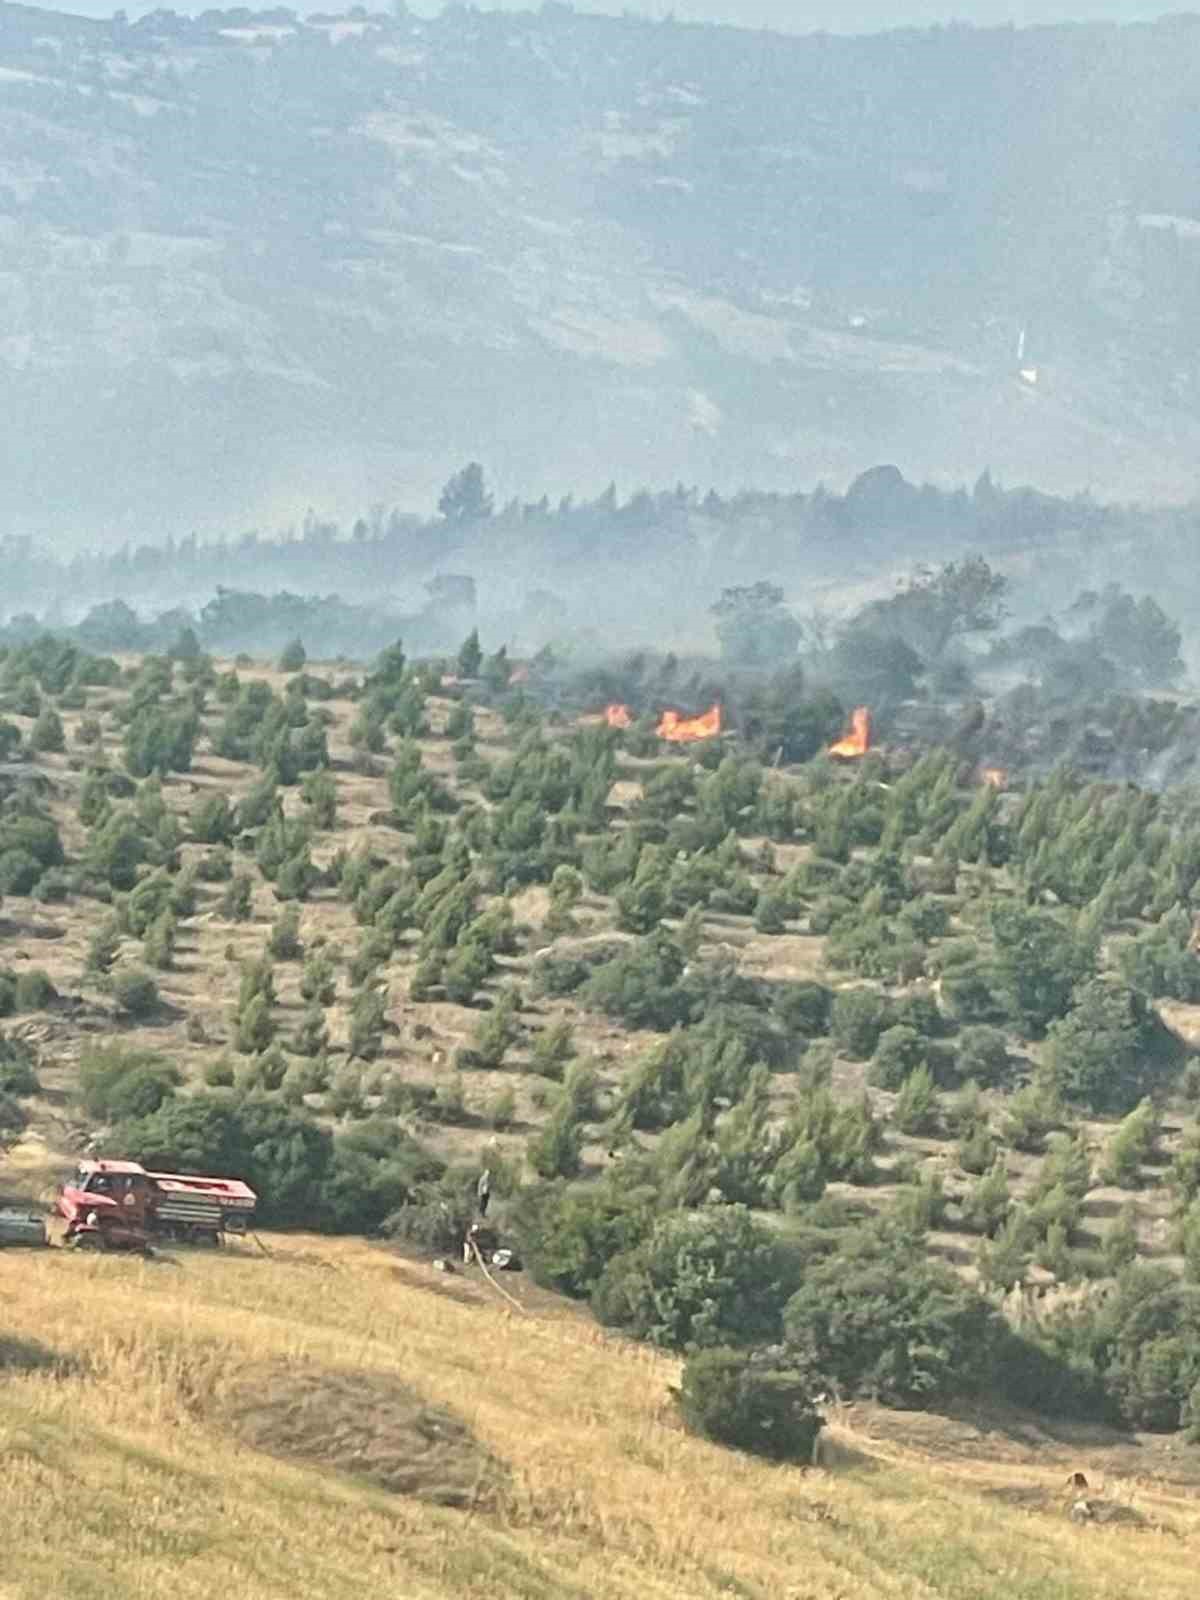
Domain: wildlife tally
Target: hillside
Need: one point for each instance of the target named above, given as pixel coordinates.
(355, 934)
(254, 264)
(127, 1446)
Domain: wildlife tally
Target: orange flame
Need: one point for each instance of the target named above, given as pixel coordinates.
(618, 716)
(994, 777)
(683, 730)
(858, 741)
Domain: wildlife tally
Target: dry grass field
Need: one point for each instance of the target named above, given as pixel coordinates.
(124, 1471)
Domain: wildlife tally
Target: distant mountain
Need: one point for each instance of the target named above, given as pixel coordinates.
(249, 263)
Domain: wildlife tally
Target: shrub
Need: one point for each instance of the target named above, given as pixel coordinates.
(12, 1119)
(116, 850)
(319, 789)
(293, 657)
(899, 1052)
(709, 1278)
(554, 1151)
(318, 980)
(212, 819)
(158, 946)
(857, 1019)
(568, 1234)
(643, 985)
(771, 911)
(47, 732)
(238, 900)
(19, 871)
(117, 1083)
(758, 1400)
(255, 1025)
(17, 1075)
(803, 1008)
(281, 1153)
(552, 1049)
(136, 993)
(1111, 1049)
(218, 1073)
(1039, 961)
(367, 1018)
(1130, 1146)
(284, 941)
(983, 1055)
(986, 1205)
(877, 1318)
(916, 1109)
(34, 990)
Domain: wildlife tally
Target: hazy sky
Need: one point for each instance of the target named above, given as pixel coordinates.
(794, 16)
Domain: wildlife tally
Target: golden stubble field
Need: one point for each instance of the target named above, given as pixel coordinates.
(119, 1478)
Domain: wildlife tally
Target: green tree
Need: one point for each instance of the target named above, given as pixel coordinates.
(759, 1401)
(320, 794)
(136, 993)
(986, 1204)
(1131, 1146)
(367, 1018)
(899, 1052)
(237, 903)
(1110, 1049)
(255, 1025)
(464, 497)
(857, 1019)
(754, 627)
(293, 657)
(1038, 962)
(554, 1151)
(47, 732)
(283, 941)
(916, 1109)
(878, 1318)
(714, 1277)
(318, 979)
(116, 850)
(470, 658)
(212, 819)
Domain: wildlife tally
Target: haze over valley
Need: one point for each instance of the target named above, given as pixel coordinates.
(252, 265)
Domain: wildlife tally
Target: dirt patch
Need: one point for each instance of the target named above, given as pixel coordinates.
(369, 1424)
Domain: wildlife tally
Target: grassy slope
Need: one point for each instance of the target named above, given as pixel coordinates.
(112, 1484)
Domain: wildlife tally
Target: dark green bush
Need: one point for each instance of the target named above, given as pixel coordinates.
(880, 1319)
(857, 1020)
(116, 1083)
(569, 1233)
(136, 993)
(17, 1074)
(759, 1401)
(713, 1277)
(34, 990)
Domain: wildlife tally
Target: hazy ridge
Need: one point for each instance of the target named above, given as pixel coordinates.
(253, 264)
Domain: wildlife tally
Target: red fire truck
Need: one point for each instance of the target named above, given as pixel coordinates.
(119, 1205)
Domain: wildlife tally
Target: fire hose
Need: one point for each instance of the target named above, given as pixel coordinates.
(499, 1287)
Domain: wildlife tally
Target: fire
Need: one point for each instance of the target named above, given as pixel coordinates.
(858, 741)
(994, 777)
(683, 730)
(618, 716)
